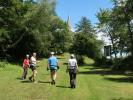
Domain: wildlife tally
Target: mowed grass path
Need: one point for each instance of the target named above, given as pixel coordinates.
(92, 84)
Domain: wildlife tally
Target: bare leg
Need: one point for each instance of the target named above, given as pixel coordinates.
(23, 74)
(53, 77)
(34, 75)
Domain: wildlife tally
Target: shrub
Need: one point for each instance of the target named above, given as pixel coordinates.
(3, 64)
(80, 59)
(124, 64)
(103, 62)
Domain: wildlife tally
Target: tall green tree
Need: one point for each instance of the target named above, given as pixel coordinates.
(108, 24)
(85, 42)
(28, 26)
(84, 26)
(12, 24)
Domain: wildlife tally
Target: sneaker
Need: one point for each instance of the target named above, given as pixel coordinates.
(71, 86)
(54, 82)
(35, 82)
(30, 78)
(74, 86)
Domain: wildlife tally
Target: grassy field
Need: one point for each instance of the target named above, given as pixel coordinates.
(92, 84)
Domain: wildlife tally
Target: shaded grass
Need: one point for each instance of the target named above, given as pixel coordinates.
(92, 84)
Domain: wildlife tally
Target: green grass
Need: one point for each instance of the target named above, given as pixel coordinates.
(92, 84)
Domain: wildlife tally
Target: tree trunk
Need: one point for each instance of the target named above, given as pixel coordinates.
(121, 53)
(113, 45)
(121, 47)
(18, 40)
(131, 37)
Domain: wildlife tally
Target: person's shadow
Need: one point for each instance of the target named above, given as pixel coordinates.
(18, 78)
(44, 82)
(59, 86)
(26, 81)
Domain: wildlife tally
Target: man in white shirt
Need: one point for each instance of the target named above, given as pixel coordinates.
(72, 67)
(33, 67)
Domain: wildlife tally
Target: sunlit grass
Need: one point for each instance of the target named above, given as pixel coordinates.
(92, 84)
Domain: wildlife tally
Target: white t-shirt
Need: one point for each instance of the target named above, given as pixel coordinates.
(72, 63)
(33, 60)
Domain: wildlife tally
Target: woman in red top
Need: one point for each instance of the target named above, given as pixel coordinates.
(26, 64)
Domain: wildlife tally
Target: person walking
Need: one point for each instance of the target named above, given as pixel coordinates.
(72, 68)
(33, 63)
(53, 66)
(26, 64)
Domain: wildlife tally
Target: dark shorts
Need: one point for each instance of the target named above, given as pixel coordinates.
(73, 70)
(53, 70)
(33, 67)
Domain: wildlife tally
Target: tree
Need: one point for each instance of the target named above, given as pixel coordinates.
(28, 26)
(12, 27)
(128, 9)
(123, 16)
(60, 34)
(84, 45)
(120, 29)
(85, 42)
(108, 26)
(84, 26)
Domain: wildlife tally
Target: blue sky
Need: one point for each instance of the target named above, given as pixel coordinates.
(78, 8)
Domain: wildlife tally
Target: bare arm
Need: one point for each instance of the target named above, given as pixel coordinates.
(48, 65)
(77, 64)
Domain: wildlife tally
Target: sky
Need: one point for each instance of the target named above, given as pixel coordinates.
(78, 8)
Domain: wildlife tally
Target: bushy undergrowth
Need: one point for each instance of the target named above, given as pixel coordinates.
(103, 62)
(124, 64)
(3, 64)
(119, 64)
(6, 66)
(80, 59)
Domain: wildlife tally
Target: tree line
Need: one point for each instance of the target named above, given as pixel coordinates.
(28, 26)
(117, 24)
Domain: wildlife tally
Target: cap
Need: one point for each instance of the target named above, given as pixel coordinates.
(27, 55)
(72, 55)
(52, 53)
